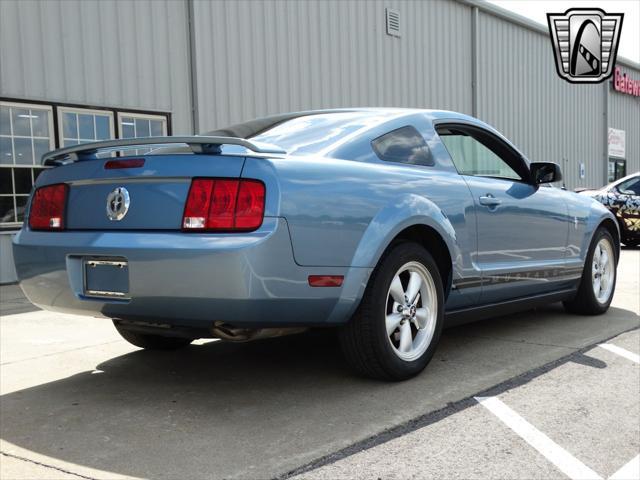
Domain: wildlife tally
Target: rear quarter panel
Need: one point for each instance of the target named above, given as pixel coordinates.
(345, 213)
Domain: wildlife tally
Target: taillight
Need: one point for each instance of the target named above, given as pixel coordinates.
(224, 205)
(48, 207)
(250, 205)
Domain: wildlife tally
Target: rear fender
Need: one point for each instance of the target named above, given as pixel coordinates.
(405, 212)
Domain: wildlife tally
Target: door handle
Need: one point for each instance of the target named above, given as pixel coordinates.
(490, 201)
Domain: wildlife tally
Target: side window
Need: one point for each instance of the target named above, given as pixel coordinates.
(473, 158)
(404, 145)
(632, 185)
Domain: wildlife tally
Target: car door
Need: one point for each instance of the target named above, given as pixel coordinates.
(625, 205)
(522, 228)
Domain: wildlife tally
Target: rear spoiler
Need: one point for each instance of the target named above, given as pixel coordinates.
(197, 144)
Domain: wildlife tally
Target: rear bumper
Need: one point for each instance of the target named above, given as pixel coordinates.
(187, 279)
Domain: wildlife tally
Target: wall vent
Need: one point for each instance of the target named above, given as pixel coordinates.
(393, 22)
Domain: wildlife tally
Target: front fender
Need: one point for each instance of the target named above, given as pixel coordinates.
(588, 215)
(597, 216)
(404, 212)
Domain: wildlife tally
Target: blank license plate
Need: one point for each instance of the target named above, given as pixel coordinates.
(106, 278)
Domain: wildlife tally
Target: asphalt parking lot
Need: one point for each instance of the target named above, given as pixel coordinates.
(532, 395)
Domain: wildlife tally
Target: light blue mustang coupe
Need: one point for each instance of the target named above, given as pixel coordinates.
(386, 223)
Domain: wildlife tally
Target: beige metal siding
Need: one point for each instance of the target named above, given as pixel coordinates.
(259, 58)
(107, 53)
(521, 95)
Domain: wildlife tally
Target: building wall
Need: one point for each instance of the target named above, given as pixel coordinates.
(260, 58)
(108, 53)
(624, 114)
(520, 93)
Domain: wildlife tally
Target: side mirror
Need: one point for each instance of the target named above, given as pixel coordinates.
(545, 172)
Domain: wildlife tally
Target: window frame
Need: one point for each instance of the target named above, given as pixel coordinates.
(147, 116)
(4, 226)
(520, 167)
(56, 139)
(50, 124)
(62, 109)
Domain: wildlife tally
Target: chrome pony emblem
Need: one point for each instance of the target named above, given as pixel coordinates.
(585, 43)
(118, 203)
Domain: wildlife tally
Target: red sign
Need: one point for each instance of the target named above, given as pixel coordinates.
(625, 84)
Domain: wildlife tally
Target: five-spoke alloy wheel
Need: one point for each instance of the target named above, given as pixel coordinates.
(394, 332)
(411, 311)
(598, 278)
(603, 270)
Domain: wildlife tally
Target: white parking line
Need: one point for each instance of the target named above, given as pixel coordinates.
(631, 471)
(621, 351)
(567, 463)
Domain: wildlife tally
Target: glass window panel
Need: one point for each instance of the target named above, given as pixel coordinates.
(307, 134)
(22, 179)
(128, 127)
(85, 123)
(40, 122)
(6, 185)
(6, 151)
(7, 213)
(70, 141)
(103, 132)
(634, 187)
(5, 121)
(157, 129)
(21, 121)
(40, 147)
(21, 206)
(472, 158)
(142, 128)
(24, 154)
(69, 125)
(404, 145)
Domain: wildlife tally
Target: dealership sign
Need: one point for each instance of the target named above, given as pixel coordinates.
(616, 143)
(623, 83)
(585, 43)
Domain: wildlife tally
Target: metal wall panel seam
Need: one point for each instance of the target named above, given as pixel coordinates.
(193, 74)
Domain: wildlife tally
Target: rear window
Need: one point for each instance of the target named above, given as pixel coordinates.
(303, 134)
(404, 145)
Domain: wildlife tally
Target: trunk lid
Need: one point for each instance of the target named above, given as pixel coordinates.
(156, 191)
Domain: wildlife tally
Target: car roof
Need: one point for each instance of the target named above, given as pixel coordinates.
(373, 118)
(253, 127)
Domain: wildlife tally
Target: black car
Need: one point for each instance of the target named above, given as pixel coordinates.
(622, 197)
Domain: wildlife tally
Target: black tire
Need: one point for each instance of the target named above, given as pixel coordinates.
(364, 340)
(585, 301)
(152, 342)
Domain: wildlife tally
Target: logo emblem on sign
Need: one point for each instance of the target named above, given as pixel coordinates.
(585, 43)
(118, 204)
